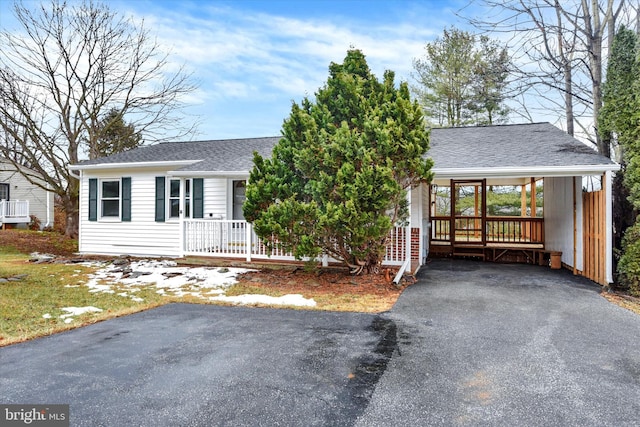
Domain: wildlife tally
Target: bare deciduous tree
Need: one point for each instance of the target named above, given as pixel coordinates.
(559, 46)
(62, 70)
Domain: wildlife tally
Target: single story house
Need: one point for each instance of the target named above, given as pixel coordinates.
(185, 198)
(19, 198)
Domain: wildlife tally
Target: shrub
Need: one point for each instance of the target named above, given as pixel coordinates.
(629, 265)
(34, 224)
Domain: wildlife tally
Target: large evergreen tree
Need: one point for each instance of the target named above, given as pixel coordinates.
(462, 80)
(620, 118)
(115, 135)
(337, 181)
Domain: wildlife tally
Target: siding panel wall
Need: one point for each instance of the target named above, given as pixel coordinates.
(142, 235)
(21, 189)
(559, 219)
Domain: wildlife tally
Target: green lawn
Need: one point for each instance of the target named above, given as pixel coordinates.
(32, 306)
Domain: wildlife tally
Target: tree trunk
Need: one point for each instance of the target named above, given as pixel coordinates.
(568, 97)
(71, 204)
(71, 211)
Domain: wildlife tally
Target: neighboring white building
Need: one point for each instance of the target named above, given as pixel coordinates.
(185, 198)
(19, 198)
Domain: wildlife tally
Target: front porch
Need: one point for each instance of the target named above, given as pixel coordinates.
(237, 239)
(469, 218)
(14, 212)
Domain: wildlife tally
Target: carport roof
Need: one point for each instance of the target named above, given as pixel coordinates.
(508, 150)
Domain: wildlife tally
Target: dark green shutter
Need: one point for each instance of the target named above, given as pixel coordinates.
(93, 199)
(198, 198)
(160, 194)
(126, 199)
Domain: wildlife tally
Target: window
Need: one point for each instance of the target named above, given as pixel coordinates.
(239, 197)
(174, 198)
(168, 199)
(187, 198)
(110, 198)
(4, 191)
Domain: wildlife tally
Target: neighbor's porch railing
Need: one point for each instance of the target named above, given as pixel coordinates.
(14, 210)
(236, 239)
(497, 229)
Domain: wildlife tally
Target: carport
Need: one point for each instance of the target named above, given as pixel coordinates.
(564, 189)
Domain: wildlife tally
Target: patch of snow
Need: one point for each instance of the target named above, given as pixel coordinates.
(46, 316)
(289, 299)
(173, 281)
(76, 311)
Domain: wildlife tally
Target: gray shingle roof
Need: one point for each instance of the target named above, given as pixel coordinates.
(536, 144)
(226, 155)
(526, 145)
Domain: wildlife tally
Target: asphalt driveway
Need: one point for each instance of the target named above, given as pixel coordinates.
(469, 344)
(198, 365)
(508, 345)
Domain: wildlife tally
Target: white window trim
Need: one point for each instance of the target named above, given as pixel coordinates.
(181, 197)
(231, 193)
(101, 216)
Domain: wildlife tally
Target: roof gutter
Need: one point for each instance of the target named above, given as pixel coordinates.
(101, 166)
(209, 174)
(512, 172)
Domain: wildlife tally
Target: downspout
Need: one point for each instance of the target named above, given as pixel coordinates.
(575, 231)
(407, 262)
(48, 224)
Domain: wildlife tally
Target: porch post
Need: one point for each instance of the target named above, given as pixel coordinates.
(534, 206)
(609, 226)
(408, 233)
(181, 217)
(248, 237)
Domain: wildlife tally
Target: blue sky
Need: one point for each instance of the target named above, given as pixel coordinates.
(252, 58)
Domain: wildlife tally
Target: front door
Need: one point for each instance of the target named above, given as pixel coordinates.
(468, 200)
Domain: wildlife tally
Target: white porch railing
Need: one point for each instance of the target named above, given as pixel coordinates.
(14, 211)
(236, 239)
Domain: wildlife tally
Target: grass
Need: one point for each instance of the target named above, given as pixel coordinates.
(45, 290)
(32, 306)
(326, 299)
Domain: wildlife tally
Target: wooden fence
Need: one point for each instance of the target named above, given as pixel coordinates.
(594, 232)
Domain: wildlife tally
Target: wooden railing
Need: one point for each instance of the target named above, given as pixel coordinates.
(236, 239)
(440, 229)
(514, 230)
(505, 230)
(13, 209)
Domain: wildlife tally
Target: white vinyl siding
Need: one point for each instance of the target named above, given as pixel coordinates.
(558, 218)
(142, 235)
(40, 201)
(215, 198)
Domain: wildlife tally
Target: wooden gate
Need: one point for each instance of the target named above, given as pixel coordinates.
(594, 232)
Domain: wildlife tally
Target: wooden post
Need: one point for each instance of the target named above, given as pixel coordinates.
(534, 205)
(475, 211)
(523, 210)
(575, 229)
(452, 213)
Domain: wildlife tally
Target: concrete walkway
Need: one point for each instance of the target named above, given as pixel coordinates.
(508, 345)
